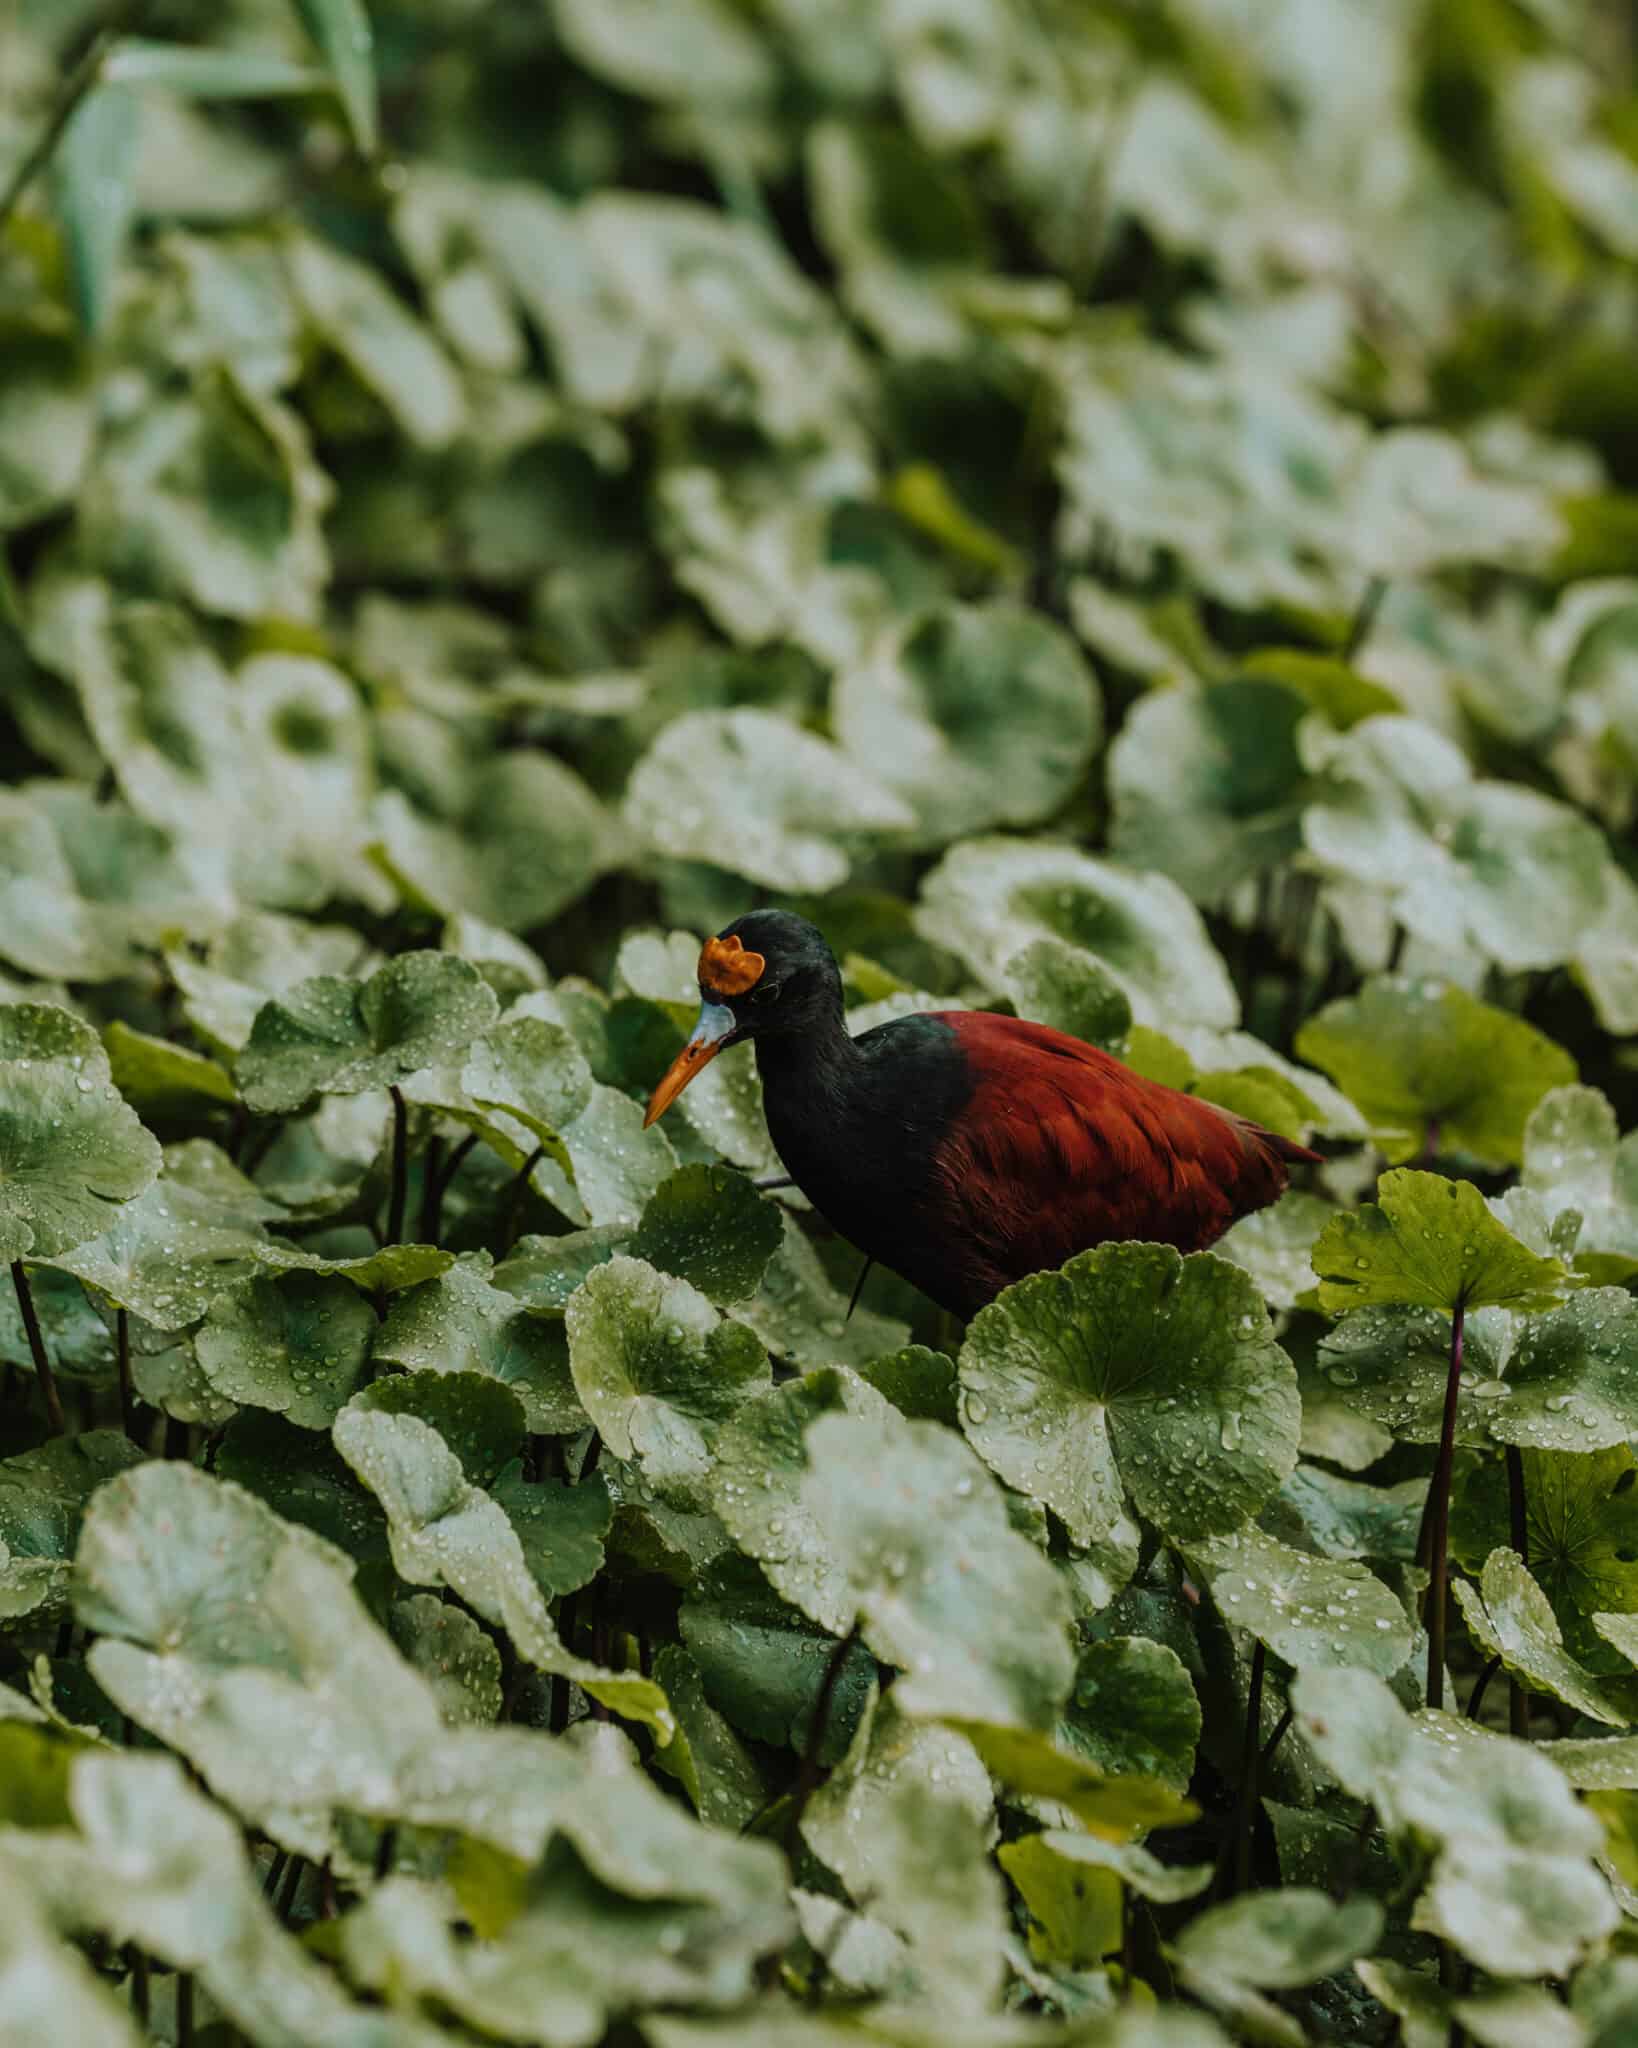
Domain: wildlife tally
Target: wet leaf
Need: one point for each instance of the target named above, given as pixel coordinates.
(1134, 1373)
(1509, 1616)
(1431, 1243)
(1432, 1065)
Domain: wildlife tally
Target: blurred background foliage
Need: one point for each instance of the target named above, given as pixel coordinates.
(587, 465)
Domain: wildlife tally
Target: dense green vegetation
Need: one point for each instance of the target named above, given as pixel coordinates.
(1117, 509)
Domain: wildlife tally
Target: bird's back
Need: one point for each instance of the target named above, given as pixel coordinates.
(1059, 1147)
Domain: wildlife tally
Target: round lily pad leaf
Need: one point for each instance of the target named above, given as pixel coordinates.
(1572, 1378)
(1389, 1366)
(1132, 1709)
(542, 1272)
(1167, 1884)
(1509, 1616)
(976, 715)
(530, 1071)
(298, 1344)
(929, 1563)
(749, 791)
(710, 1227)
(1431, 1243)
(1426, 1061)
(659, 1371)
(1135, 1372)
(461, 1322)
(71, 1148)
(480, 1419)
(1308, 1610)
(1207, 784)
(339, 1037)
(988, 898)
(802, 1318)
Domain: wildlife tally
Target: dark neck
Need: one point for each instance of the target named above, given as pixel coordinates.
(819, 1058)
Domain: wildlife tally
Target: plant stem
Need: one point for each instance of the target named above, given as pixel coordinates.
(123, 15)
(36, 1345)
(400, 1169)
(1274, 1741)
(1364, 619)
(1518, 1702)
(386, 1850)
(1481, 1685)
(141, 1987)
(438, 1185)
(127, 1391)
(517, 1195)
(1439, 1516)
(184, 2009)
(289, 1889)
(1234, 1873)
(807, 1778)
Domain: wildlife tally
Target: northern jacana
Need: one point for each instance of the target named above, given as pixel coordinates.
(959, 1148)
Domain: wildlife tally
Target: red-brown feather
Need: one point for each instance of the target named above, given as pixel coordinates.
(1061, 1147)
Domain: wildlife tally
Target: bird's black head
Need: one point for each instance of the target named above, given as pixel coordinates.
(768, 972)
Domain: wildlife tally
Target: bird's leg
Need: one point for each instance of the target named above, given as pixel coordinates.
(774, 1180)
(858, 1289)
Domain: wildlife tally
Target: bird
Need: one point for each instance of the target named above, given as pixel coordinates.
(963, 1149)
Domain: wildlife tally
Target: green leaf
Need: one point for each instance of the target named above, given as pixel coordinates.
(71, 1149)
(1052, 982)
(921, 1384)
(480, 1420)
(1432, 1064)
(659, 1372)
(724, 1785)
(903, 1821)
(259, 954)
(1132, 1710)
(298, 1345)
(749, 791)
(1133, 1372)
(43, 1494)
(446, 1532)
(448, 1648)
(764, 1665)
(46, 1983)
(988, 898)
(1576, 1162)
(380, 340)
(236, 1638)
(1278, 1940)
(704, 51)
(561, 1527)
(302, 1479)
(1207, 785)
(341, 29)
(1167, 1884)
(1275, 1245)
(709, 1226)
(1581, 1526)
(519, 839)
(204, 73)
(461, 1322)
(1310, 1611)
(977, 716)
(343, 1038)
(803, 1319)
(189, 1237)
(1513, 1885)
(93, 166)
(1508, 1616)
(161, 1079)
(929, 1563)
(1033, 1766)
(1430, 1243)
